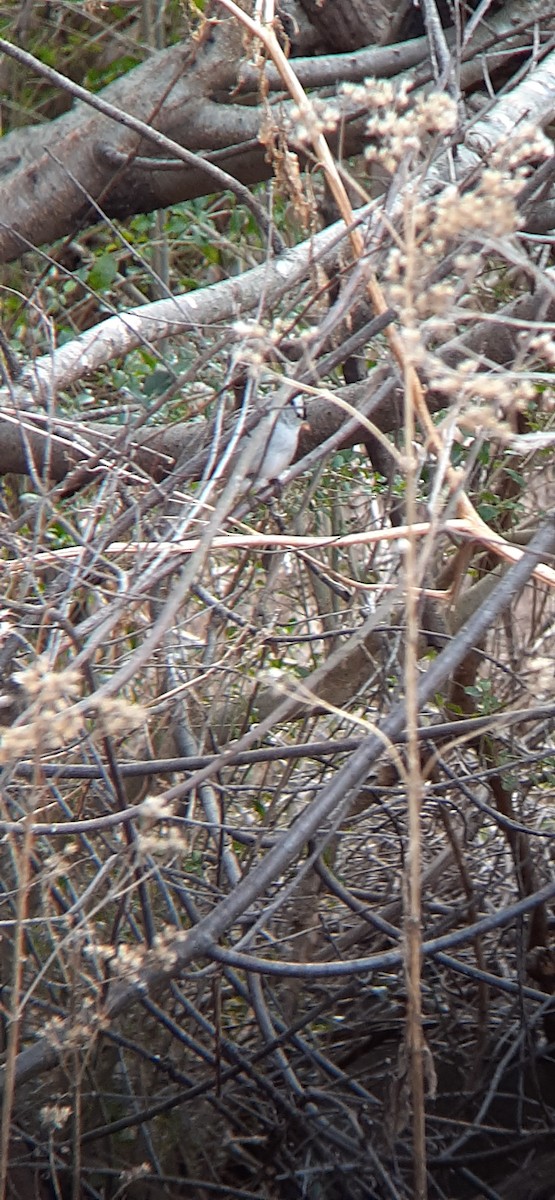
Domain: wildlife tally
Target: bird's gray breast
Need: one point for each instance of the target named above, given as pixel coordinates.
(278, 450)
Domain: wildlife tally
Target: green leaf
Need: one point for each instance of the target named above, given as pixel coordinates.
(101, 276)
(157, 382)
(488, 512)
(515, 476)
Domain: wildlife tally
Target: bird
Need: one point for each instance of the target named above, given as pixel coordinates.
(276, 449)
(257, 445)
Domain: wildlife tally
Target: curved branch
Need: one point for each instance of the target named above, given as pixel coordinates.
(93, 177)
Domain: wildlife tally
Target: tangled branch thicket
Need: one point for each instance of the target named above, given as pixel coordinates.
(277, 762)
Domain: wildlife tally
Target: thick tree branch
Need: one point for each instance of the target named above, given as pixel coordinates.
(179, 100)
(217, 304)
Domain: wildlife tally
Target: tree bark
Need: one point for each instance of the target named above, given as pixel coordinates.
(349, 24)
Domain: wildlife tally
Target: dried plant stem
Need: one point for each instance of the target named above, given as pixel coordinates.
(454, 479)
(413, 872)
(22, 864)
(259, 541)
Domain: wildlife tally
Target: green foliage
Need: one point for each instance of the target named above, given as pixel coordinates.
(103, 272)
(483, 692)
